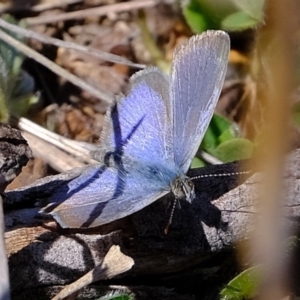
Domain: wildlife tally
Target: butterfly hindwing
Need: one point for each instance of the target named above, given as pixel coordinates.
(101, 195)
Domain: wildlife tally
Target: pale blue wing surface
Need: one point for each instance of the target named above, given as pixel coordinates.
(103, 194)
(150, 137)
(197, 77)
(138, 137)
(139, 125)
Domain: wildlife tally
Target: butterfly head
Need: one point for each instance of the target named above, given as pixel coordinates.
(183, 188)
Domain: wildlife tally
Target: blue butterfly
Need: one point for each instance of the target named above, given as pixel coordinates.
(150, 137)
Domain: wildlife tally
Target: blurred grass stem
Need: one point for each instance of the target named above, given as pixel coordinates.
(157, 55)
(276, 82)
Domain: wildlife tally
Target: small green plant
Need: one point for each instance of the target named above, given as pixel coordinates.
(16, 85)
(246, 284)
(122, 297)
(229, 15)
(243, 286)
(221, 141)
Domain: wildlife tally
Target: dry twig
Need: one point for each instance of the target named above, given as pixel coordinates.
(114, 263)
(7, 7)
(54, 67)
(69, 45)
(97, 11)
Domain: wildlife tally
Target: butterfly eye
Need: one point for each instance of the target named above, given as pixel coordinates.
(191, 185)
(189, 190)
(183, 188)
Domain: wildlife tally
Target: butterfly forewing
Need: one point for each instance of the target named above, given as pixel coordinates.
(138, 126)
(197, 77)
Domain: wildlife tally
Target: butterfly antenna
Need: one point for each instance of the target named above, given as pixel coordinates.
(166, 231)
(221, 175)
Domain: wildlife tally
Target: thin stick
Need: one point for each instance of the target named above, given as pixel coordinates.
(38, 7)
(54, 4)
(92, 12)
(209, 158)
(77, 149)
(114, 263)
(54, 67)
(58, 160)
(69, 45)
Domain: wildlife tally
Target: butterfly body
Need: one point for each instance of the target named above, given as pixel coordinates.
(149, 137)
(171, 179)
(182, 187)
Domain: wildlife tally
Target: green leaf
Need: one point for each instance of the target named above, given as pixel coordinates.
(204, 14)
(4, 110)
(227, 135)
(243, 286)
(121, 297)
(197, 163)
(226, 14)
(239, 21)
(234, 149)
(220, 141)
(12, 57)
(195, 19)
(16, 85)
(253, 8)
(218, 125)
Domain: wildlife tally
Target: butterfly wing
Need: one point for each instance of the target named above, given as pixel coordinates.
(139, 125)
(101, 195)
(137, 135)
(197, 77)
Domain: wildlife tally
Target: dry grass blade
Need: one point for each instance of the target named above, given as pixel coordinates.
(97, 11)
(56, 42)
(57, 159)
(80, 150)
(114, 263)
(209, 158)
(54, 4)
(54, 67)
(7, 7)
